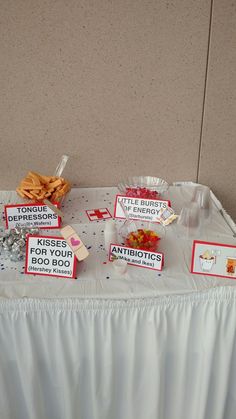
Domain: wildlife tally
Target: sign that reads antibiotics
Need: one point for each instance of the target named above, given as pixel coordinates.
(140, 208)
(137, 257)
(31, 215)
(46, 255)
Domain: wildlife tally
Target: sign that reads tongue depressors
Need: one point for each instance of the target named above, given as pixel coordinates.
(140, 208)
(48, 255)
(31, 215)
(137, 257)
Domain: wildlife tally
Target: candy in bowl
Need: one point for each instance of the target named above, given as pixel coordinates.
(148, 187)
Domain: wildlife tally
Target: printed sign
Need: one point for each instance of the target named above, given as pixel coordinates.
(213, 259)
(48, 255)
(98, 214)
(31, 215)
(137, 257)
(139, 208)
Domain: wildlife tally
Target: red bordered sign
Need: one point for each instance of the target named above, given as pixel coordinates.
(31, 215)
(213, 259)
(137, 257)
(98, 214)
(140, 208)
(49, 256)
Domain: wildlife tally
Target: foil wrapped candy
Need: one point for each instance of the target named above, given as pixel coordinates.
(13, 243)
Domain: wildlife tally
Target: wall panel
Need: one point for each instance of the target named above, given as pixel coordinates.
(118, 85)
(218, 148)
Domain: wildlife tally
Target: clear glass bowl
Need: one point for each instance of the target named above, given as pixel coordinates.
(133, 226)
(149, 182)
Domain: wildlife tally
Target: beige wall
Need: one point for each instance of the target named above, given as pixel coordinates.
(218, 150)
(118, 85)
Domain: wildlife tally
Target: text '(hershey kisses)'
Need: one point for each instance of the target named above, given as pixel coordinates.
(49, 256)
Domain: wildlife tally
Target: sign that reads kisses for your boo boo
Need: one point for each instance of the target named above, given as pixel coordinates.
(140, 208)
(31, 215)
(47, 255)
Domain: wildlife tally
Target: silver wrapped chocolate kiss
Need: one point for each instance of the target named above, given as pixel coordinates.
(13, 243)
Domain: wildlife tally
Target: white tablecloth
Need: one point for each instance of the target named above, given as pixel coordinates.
(146, 346)
(162, 358)
(96, 278)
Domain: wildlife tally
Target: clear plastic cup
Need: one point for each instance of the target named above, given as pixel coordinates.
(188, 224)
(202, 198)
(120, 266)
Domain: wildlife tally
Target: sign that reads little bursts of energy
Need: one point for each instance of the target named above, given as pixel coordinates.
(46, 255)
(31, 215)
(139, 208)
(137, 257)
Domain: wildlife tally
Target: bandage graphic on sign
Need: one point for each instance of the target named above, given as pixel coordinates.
(75, 243)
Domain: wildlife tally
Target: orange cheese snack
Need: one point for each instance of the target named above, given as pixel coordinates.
(38, 187)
